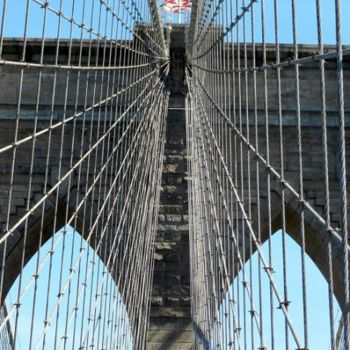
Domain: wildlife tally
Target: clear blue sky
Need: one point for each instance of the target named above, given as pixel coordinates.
(306, 18)
(317, 291)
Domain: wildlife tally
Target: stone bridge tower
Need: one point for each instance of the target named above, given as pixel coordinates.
(170, 323)
(170, 320)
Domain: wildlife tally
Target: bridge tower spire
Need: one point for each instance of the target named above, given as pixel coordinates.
(170, 324)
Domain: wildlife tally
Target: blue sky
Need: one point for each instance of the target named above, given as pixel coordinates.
(306, 20)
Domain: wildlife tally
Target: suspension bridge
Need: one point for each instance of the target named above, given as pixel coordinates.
(148, 162)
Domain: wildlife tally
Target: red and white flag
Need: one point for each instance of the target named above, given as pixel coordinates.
(176, 6)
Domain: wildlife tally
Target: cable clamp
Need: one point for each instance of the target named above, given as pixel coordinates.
(269, 268)
(283, 182)
(329, 230)
(285, 303)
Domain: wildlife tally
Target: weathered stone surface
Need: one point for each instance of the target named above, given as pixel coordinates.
(173, 218)
(170, 326)
(164, 246)
(171, 279)
(158, 256)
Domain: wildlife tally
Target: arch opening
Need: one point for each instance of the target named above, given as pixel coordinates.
(250, 313)
(66, 297)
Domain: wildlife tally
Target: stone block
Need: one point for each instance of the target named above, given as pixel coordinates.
(171, 189)
(170, 312)
(163, 337)
(185, 301)
(167, 346)
(173, 218)
(164, 227)
(158, 256)
(175, 159)
(171, 209)
(172, 301)
(164, 246)
(174, 236)
(156, 301)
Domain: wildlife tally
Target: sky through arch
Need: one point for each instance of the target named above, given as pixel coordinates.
(317, 293)
(67, 310)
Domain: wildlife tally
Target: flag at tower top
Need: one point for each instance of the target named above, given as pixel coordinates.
(176, 6)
